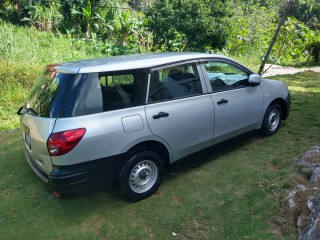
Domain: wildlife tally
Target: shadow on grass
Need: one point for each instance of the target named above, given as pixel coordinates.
(198, 159)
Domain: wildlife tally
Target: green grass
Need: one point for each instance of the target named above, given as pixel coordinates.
(28, 45)
(236, 192)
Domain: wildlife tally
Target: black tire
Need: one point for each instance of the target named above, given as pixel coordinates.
(140, 176)
(271, 120)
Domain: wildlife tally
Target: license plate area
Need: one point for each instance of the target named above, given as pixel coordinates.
(27, 140)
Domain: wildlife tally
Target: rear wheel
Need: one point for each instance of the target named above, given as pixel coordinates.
(140, 176)
(272, 120)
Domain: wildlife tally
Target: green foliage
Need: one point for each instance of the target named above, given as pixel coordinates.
(314, 49)
(188, 25)
(252, 28)
(87, 14)
(291, 45)
(307, 11)
(45, 18)
(237, 28)
(8, 11)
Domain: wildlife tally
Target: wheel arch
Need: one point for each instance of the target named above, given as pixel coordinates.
(283, 106)
(155, 146)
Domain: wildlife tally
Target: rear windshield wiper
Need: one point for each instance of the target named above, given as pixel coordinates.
(29, 110)
(19, 111)
(32, 112)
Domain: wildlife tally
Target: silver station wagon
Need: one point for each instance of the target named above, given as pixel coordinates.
(118, 121)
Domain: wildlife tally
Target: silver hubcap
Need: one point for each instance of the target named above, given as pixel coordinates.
(143, 176)
(273, 119)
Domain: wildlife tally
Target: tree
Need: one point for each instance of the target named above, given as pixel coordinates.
(307, 11)
(193, 25)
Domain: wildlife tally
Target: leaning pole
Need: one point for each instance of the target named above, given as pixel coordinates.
(273, 40)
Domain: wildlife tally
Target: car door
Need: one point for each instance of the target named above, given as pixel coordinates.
(237, 104)
(178, 110)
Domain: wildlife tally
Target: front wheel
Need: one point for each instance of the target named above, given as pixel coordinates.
(140, 176)
(272, 120)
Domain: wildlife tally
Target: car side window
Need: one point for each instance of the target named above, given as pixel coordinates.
(174, 82)
(107, 91)
(224, 76)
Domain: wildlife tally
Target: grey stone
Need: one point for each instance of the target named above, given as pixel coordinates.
(315, 173)
(313, 230)
(306, 158)
(300, 187)
(311, 160)
(291, 199)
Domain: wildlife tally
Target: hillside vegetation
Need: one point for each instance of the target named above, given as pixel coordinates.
(24, 53)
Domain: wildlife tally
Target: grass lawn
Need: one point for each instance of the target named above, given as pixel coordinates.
(235, 192)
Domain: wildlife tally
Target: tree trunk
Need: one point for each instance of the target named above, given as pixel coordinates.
(310, 54)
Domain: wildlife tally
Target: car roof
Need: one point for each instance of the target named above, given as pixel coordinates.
(127, 62)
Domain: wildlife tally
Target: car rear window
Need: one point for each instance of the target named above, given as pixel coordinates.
(106, 91)
(48, 93)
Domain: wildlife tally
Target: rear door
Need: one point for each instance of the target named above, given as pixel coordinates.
(178, 110)
(39, 114)
(238, 105)
(35, 132)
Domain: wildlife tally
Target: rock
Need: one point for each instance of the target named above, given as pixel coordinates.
(311, 230)
(300, 187)
(310, 157)
(313, 233)
(315, 173)
(291, 199)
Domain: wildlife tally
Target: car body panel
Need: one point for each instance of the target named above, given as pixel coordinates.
(38, 130)
(240, 114)
(105, 135)
(189, 126)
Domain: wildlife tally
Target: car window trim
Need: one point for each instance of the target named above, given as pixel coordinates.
(232, 63)
(222, 60)
(178, 98)
(204, 86)
(172, 65)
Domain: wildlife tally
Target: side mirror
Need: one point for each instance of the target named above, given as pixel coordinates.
(255, 79)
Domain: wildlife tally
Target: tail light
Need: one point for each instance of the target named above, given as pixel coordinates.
(60, 143)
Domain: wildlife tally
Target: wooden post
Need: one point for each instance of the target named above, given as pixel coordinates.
(273, 41)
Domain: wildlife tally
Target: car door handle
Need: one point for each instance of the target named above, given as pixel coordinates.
(160, 115)
(222, 101)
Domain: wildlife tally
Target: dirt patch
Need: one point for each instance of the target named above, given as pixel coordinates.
(280, 70)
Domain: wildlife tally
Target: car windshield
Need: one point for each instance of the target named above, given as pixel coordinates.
(48, 93)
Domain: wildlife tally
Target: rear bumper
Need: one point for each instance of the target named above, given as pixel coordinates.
(79, 179)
